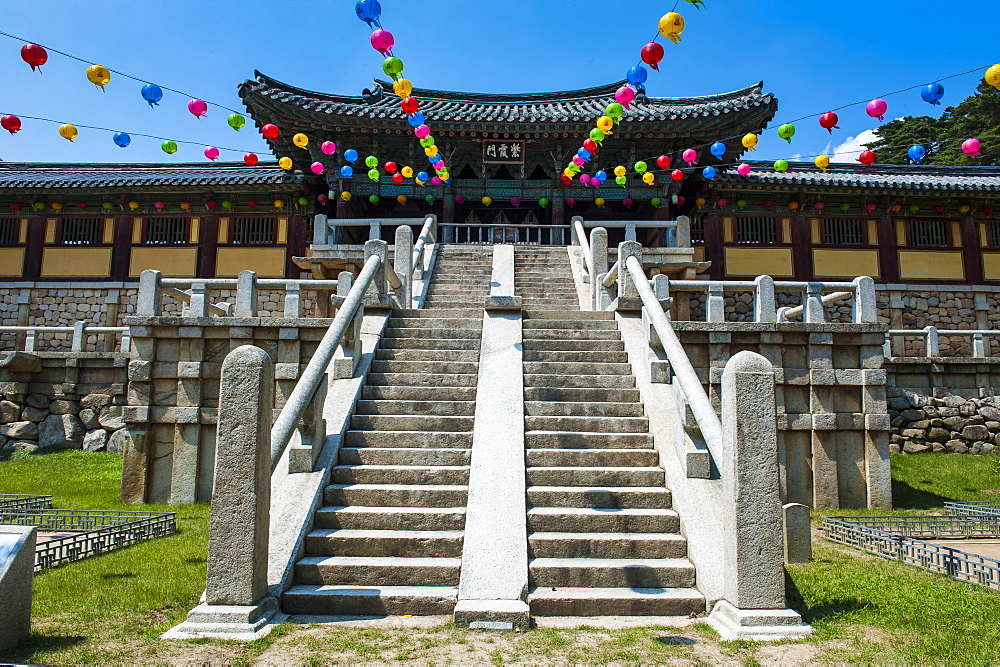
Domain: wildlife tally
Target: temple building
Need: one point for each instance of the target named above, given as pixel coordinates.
(109, 222)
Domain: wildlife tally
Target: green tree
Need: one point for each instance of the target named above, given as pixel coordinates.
(978, 116)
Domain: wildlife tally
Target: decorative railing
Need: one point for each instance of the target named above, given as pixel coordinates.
(931, 337)
(679, 238)
(520, 234)
(324, 226)
(881, 537)
(23, 502)
(92, 532)
(978, 508)
(78, 335)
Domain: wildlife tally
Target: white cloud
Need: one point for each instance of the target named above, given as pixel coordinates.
(851, 148)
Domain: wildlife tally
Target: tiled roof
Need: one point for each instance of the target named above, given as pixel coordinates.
(84, 175)
(883, 176)
(571, 106)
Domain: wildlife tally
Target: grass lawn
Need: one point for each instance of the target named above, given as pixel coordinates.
(112, 608)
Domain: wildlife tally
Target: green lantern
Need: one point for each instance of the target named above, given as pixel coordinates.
(169, 147)
(371, 161)
(914, 208)
(656, 202)
(543, 202)
(303, 201)
(373, 199)
(236, 121)
(107, 206)
(429, 199)
(227, 204)
(741, 204)
(845, 207)
(392, 66)
(781, 166)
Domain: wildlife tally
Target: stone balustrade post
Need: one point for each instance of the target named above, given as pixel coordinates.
(812, 304)
(896, 322)
(150, 299)
(764, 305)
(320, 229)
(628, 294)
(348, 353)
(79, 336)
(29, 340)
(378, 292)
(715, 303)
(683, 231)
(246, 294)
(198, 305)
(375, 230)
(865, 305)
(293, 300)
(978, 345)
(933, 346)
(402, 265)
(599, 255)
(982, 307)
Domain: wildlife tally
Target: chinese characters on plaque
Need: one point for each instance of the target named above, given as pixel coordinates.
(505, 151)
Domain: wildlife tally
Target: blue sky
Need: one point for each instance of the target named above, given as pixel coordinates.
(813, 55)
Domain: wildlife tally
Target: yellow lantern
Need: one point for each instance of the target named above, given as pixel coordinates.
(895, 208)
(750, 141)
(993, 76)
(98, 75)
(700, 202)
(648, 178)
(407, 172)
(402, 87)
(401, 198)
(620, 170)
(793, 205)
(285, 163)
(487, 201)
(600, 202)
(68, 132)
(605, 123)
(431, 151)
(671, 26)
(185, 206)
(133, 205)
(300, 140)
(964, 208)
(279, 203)
(56, 206)
(346, 196)
(822, 162)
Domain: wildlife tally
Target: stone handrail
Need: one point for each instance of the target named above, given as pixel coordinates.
(580, 239)
(931, 336)
(682, 224)
(786, 314)
(313, 375)
(79, 331)
(428, 234)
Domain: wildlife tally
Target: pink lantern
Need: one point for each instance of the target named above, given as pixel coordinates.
(515, 202)
(721, 203)
(624, 96)
(328, 147)
(422, 132)
(578, 161)
(767, 203)
(571, 201)
(690, 156)
(211, 152)
(317, 168)
(938, 208)
(459, 199)
(680, 201)
(627, 202)
(585, 179)
(436, 180)
(819, 206)
(744, 169)
(382, 41)
(595, 183)
(971, 147)
(198, 107)
(870, 208)
(158, 205)
(252, 204)
(877, 108)
(322, 199)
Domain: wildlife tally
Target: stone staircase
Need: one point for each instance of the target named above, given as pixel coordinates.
(603, 539)
(461, 277)
(543, 279)
(389, 539)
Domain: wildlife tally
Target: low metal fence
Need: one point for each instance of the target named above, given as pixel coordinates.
(870, 535)
(93, 532)
(12, 501)
(979, 508)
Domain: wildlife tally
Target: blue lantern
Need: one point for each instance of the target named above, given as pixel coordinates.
(601, 176)
(583, 153)
(369, 11)
(932, 92)
(422, 176)
(917, 153)
(122, 139)
(346, 171)
(637, 76)
(416, 120)
(152, 94)
(351, 155)
(718, 149)
(709, 173)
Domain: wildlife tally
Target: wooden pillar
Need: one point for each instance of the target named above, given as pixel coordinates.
(207, 244)
(971, 252)
(121, 254)
(33, 249)
(887, 250)
(802, 264)
(713, 245)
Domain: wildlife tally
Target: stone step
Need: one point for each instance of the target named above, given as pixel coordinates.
(472, 303)
(611, 572)
(387, 343)
(429, 355)
(597, 496)
(580, 408)
(400, 543)
(579, 381)
(370, 600)
(437, 332)
(643, 458)
(395, 495)
(419, 393)
(434, 323)
(574, 345)
(363, 517)
(377, 571)
(587, 356)
(580, 394)
(415, 423)
(439, 313)
(422, 408)
(400, 474)
(577, 325)
(543, 601)
(595, 476)
(409, 456)
(570, 314)
(602, 520)
(578, 440)
(422, 439)
(588, 424)
(425, 380)
(606, 545)
(569, 332)
(569, 368)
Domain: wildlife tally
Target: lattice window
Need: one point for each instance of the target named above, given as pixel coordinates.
(698, 229)
(9, 228)
(253, 231)
(843, 231)
(757, 230)
(993, 230)
(928, 233)
(166, 231)
(81, 231)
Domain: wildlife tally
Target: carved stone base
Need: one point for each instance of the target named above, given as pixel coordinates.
(239, 623)
(757, 624)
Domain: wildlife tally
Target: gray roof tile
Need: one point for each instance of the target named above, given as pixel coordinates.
(92, 175)
(883, 176)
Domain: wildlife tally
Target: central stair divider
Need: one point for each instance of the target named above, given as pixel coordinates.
(494, 577)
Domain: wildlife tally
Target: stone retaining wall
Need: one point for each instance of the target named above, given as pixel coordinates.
(943, 423)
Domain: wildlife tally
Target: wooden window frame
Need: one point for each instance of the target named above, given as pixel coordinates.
(15, 229)
(186, 235)
(862, 224)
(945, 224)
(60, 231)
(777, 229)
(273, 243)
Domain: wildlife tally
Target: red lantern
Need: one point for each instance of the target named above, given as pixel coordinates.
(677, 175)
(410, 105)
(15, 207)
(652, 54)
(566, 180)
(680, 201)
(82, 206)
(211, 204)
(571, 202)
(270, 131)
(663, 162)
(391, 167)
(987, 210)
(867, 158)
(251, 159)
(397, 178)
(34, 55)
(828, 121)
(590, 145)
(11, 123)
